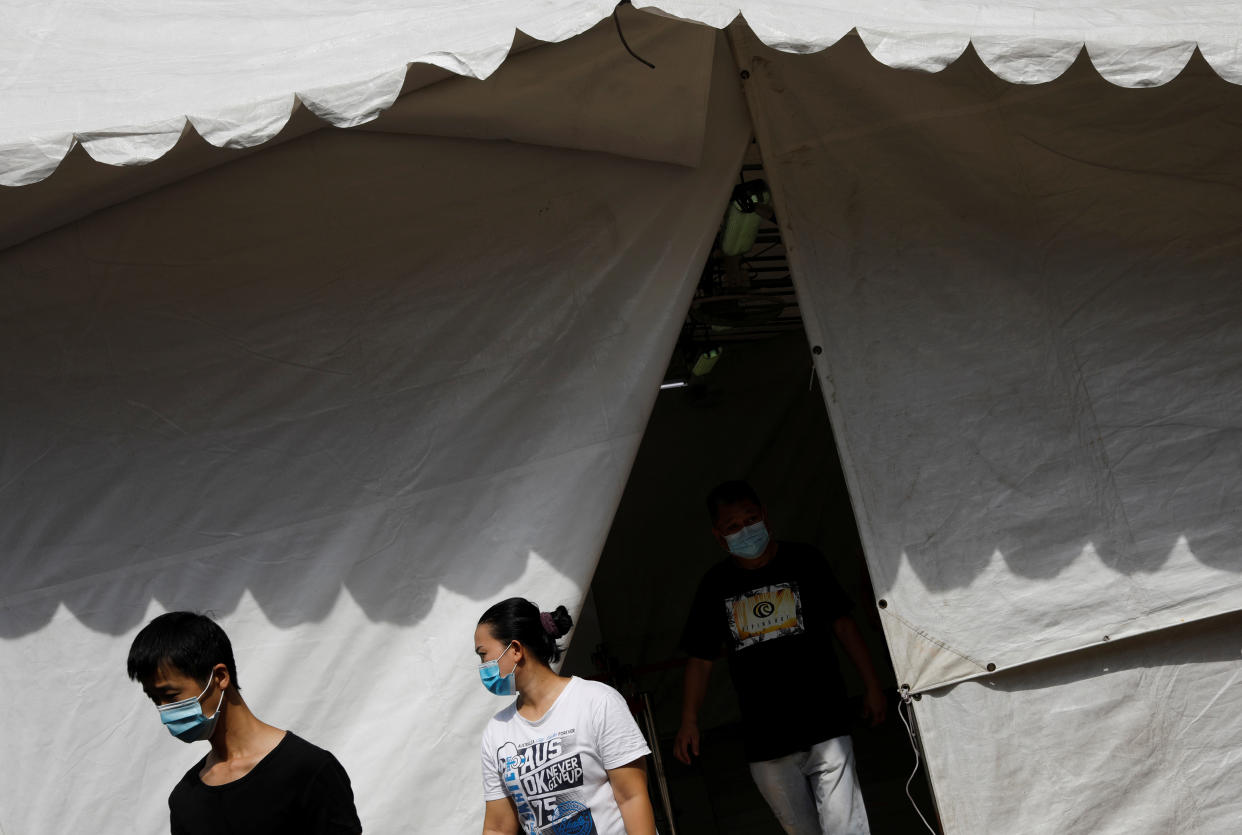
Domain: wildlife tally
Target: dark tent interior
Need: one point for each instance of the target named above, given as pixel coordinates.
(757, 414)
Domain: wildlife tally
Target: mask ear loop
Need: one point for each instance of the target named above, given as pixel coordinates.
(219, 704)
(502, 655)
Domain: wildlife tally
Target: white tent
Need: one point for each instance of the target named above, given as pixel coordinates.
(346, 388)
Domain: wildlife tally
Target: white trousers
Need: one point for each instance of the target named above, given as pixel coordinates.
(814, 792)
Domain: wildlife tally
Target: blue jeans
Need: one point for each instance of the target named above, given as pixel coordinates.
(814, 792)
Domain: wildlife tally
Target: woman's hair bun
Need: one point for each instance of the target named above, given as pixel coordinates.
(517, 619)
(562, 621)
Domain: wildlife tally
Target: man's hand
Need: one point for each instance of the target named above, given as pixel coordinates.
(687, 742)
(698, 670)
(875, 706)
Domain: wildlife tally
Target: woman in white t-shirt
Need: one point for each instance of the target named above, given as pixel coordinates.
(566, 757)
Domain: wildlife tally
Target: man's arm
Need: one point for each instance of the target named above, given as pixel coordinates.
(694, 690)
(629, 787)
(499, 817)
(175, 827)
(330, 802)
(875, 705)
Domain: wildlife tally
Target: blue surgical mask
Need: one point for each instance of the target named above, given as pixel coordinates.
(750, 542)
(185, 719)
(489, 672)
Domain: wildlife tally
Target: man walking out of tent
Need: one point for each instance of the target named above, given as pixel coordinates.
(257, 779)
(775, 607)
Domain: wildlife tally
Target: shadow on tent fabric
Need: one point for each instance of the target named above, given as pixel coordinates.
(358, 363)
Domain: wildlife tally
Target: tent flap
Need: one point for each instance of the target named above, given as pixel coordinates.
(921, 657)
(342, 416)
(1140, 737)
(1027, 313)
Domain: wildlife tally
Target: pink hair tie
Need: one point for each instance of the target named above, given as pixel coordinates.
(549, 625)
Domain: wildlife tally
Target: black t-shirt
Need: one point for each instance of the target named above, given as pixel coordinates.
(297, 788)
(775, 622)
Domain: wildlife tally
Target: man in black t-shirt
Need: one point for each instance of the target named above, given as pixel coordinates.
(775, 608)
(257, 779)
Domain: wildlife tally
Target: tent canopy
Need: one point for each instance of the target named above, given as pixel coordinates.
(127, 80)
(346, 387)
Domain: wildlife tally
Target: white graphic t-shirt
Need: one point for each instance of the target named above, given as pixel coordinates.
(556, 769)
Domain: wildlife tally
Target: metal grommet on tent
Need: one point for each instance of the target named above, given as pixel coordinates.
(817, 350)
(745, 74)
(882, 603)
(991, 668)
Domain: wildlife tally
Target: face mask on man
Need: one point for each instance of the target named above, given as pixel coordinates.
(750, 542)
(185, 719)
(489, 672)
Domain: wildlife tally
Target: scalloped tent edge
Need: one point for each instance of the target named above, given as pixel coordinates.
(359, 101)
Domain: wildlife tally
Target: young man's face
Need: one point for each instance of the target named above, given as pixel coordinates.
(732, 517)
(169, 685)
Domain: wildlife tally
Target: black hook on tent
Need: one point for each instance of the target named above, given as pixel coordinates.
(621, 35)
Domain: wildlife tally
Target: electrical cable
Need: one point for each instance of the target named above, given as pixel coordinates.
(905, 702)
(621, 35)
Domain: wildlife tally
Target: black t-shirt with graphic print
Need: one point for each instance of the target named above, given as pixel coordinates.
(298, 788)
(775, 623)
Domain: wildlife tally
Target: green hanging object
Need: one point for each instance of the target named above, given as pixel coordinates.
(741, 220)
(706, 362)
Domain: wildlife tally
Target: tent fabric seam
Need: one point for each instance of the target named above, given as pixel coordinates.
(1108, 642)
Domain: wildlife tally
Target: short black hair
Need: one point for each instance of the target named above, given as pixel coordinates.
(730, 492)
(517, 619)
(185, 641)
